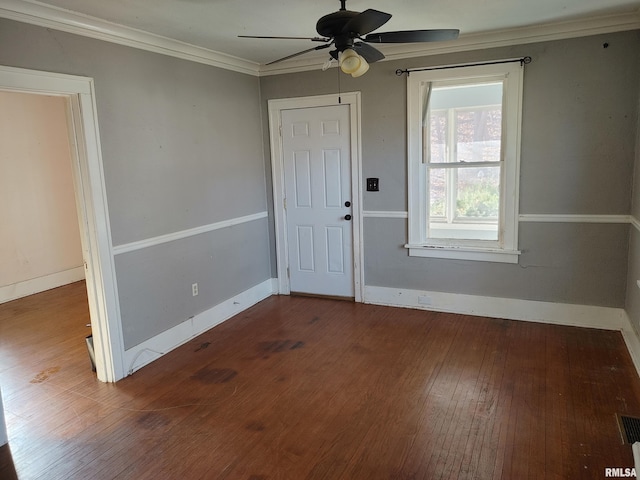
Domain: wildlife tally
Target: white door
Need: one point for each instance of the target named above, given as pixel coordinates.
(317, 175)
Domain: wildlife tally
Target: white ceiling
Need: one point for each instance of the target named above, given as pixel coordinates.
(215, 24)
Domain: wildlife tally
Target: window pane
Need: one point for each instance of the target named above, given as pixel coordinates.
(478, 193)
(478, 133)
(464, 203)
(465, 123)
(437, 193)
(437, 138)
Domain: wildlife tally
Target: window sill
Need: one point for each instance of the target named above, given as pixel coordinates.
(464, 253)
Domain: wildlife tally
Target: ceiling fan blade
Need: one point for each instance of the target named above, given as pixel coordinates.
(370, 54)
(366, 22)
(313, 39)
(413, 36)
(319, 47)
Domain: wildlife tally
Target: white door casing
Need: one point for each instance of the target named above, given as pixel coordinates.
(331, 232)
(317, 184)
(92, 207)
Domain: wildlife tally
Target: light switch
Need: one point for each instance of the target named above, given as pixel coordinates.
(372, 185)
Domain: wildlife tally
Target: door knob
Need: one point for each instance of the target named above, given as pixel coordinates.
(347, 203)
(347, 217)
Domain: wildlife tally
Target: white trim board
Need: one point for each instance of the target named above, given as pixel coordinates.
(384, 214)
(41, 284)
(170, 237)
(606, 318)
(137, 357)
(531, 217)
(49, 16)
(568, 218)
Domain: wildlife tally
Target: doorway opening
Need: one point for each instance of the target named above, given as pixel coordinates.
(77, 93)
(40, 235)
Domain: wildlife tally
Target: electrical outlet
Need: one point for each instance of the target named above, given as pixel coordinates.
(194, 289)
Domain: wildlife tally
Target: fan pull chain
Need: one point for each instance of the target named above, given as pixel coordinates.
(339, 91)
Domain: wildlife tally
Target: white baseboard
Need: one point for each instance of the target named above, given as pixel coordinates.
(275, 290)
(631, 338)
(41, 284)
(589, 316)
(137, 357)
(606, 318)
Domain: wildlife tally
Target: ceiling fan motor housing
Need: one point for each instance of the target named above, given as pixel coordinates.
(331, 26)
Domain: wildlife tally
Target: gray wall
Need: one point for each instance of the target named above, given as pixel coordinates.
(224, 263)
(578, 141)
(182, 148)
(632, 304)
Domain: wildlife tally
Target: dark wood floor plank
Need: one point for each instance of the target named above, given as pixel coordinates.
(7, 467)
(310, 388)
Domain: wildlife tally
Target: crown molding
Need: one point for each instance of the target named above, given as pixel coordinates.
(480, 41)
(36, 13)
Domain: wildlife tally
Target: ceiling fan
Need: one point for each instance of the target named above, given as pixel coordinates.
(350, 33)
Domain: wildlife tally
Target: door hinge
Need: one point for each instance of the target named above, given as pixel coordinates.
(288, 273)
(284, 203)
(280, 130)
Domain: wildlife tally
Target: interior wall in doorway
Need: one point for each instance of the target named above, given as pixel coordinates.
(40, 238)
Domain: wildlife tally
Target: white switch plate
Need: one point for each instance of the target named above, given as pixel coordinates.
(194, 289)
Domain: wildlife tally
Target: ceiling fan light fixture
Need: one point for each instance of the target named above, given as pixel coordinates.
(362, 69)
(350, 61)
(350, 32)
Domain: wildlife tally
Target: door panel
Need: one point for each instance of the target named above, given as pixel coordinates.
(302, 172)
(335, 253)
(317, 171)
(304, 248)
(332, 178)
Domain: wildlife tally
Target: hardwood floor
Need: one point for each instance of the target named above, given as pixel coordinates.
(307, 388)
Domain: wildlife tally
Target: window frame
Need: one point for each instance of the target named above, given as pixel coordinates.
(505, 248)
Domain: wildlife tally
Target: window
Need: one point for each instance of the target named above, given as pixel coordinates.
(464, 142)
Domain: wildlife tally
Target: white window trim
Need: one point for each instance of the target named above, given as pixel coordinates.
(506, 251)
